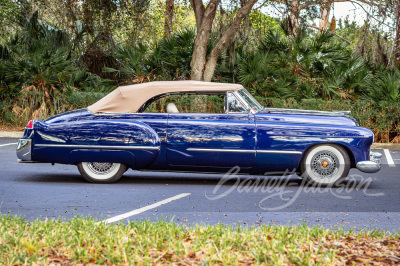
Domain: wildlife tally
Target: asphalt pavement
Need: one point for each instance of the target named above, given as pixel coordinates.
(45, 191)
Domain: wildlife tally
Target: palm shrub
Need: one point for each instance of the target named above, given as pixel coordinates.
(133, 67)
(350, 77)
(304, 66)
(385, 86)
(37, 68)
(167, 59)
(171, 56)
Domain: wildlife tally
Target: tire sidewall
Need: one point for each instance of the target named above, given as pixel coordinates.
(344, 165)
(92, 177)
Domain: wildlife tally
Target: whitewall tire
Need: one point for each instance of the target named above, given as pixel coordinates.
(101, 172)
(325, 165)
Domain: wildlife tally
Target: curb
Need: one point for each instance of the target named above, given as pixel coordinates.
(375, 146)
(388, 146)
(11, 134)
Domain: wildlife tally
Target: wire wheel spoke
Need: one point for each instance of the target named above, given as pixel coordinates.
(325, 164)
(101, 168)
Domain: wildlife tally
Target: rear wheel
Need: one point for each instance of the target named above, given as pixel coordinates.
(101, 172)
(325, 165)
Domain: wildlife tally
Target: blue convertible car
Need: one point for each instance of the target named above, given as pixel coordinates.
(124, 130)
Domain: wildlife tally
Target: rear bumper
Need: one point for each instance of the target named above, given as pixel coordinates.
(24, 150)
(371, 166)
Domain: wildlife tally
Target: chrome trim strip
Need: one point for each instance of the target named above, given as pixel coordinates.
(21, 161)
(245, 151)
(221, 150)
(98, 147)
(279, 152)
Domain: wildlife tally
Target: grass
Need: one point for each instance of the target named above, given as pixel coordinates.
(86, 241)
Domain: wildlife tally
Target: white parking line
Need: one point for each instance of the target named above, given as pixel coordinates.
(389, 158)
(152, 206)
(1, 145)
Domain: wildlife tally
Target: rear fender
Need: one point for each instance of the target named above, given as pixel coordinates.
(129, 142)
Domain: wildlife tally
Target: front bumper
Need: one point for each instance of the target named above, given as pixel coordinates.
(24, 150)
(371, 166)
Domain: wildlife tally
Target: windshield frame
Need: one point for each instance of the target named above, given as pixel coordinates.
(248, 100)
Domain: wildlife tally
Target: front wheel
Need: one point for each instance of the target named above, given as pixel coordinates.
(325, 165)
(101, 172)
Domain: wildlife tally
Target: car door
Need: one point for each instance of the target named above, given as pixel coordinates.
(211, 140)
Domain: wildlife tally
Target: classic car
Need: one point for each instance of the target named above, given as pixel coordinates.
(123, 130)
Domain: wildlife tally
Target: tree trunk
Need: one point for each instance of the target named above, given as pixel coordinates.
(199, 57)
(397, 37)
(325, 11)
(169, 14)
(224, 40)
(294, 13)
(203, 69)
(198, 9)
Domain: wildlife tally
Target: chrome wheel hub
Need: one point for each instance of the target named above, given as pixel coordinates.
(325, 164)
(101, 168)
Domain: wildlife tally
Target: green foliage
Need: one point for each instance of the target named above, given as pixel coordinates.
(38, 71)
(168, 59)
(313, 66)
(171, 56)
(9, 16)
(261, 23)
(384, 86)
(41, 56)
(80, 99)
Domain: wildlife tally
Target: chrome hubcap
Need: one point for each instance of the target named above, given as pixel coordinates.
(101, 168)
(325, 164)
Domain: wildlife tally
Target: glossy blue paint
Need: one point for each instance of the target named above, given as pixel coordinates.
(182, 140)
(219, 132)
(299, 132)
(305, 117)
(92, 133)
(66, 117)
(157, 121)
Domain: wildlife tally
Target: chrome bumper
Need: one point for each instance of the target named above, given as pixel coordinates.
(24, 150)
(371, 166)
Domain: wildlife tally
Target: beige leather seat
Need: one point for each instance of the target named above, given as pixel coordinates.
(171, 108)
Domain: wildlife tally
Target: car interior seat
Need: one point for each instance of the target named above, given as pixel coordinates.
(171, 108)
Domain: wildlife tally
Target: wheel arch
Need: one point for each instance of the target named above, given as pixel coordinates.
(349, 152)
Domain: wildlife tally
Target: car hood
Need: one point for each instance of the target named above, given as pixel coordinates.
(298, 116)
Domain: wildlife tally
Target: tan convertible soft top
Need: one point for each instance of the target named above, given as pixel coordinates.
(131, 98)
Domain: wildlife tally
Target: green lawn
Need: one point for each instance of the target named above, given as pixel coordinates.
(87, 241)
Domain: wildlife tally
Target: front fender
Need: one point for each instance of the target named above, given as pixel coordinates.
(290, 141)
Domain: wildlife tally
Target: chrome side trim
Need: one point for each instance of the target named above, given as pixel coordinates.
(21, 161)
(279, 152)
(221, 150)
(244, 151)
(98, 147)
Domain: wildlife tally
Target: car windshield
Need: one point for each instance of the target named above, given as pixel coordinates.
(251, 102)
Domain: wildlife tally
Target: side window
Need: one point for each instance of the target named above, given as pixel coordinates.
(189, 103)
(234, 105)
